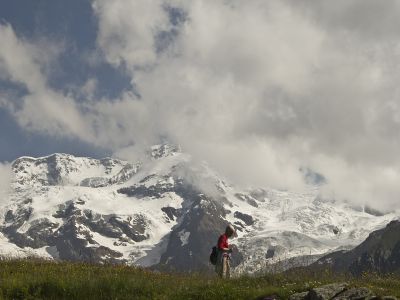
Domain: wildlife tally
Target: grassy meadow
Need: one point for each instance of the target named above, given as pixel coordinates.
(36, 279)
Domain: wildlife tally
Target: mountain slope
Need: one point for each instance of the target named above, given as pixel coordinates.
(167, 212)
(380, 252)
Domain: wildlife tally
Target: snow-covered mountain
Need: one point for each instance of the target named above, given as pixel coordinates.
(379, 253)
(167, 212)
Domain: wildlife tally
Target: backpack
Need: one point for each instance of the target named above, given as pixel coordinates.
(214, 256)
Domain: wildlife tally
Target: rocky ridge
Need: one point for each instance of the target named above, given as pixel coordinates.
(338, 291)
(380, 253)
(167, 212)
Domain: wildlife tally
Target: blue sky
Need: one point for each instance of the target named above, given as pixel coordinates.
(72, 23)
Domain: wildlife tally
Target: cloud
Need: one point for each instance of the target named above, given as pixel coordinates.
(363, 19)
(258, 89)
(127, 30)
(5, 181)
(42, 109)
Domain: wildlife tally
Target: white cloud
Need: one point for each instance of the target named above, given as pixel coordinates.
(261, 88)
(127, 30)
(42, 108)
(257, 88)
(5, 181)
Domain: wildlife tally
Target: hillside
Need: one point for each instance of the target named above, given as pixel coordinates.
(33, 279)
(380, 252)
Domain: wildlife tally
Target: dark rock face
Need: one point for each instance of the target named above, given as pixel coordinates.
(171, 212)
(73, 239)
(380, 252)
(17, 218)
(39, 233)
(134, 228)
(164, 150)
(247, 198)
(270, 253)
(190, 242)
(126, 173)
(200, 222)
(142, 191)
(74, 231)
(247, 219)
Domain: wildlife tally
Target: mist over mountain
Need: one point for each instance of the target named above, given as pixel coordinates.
(257, 89)
(166, 212)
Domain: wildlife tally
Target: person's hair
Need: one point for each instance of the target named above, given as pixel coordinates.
(229, 231)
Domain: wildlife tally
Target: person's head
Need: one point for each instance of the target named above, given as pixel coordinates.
(230, 231)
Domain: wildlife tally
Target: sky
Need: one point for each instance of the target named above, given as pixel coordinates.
(258, 89)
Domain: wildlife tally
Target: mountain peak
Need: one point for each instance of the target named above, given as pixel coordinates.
(164, 150)
(61, 169)
(167, 212)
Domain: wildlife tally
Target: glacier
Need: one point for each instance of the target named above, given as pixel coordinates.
(166, 212)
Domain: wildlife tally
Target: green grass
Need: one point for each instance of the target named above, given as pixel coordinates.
(35, 279)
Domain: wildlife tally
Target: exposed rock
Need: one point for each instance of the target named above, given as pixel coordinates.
(247, 219)
(72, 241)
(299, 296)
(41, 232)
(380, 252)
(327, 292)
(183, 207)
(191, 240)
(127, 172)
(270, 253)
(171, 212)
(94, 182)
(134, 228)
(164, 150)
(259, 194)
(201, 229)
(17, 218)
(142, 191)
(101, 224)
(335, 291)
(110, 163)
(246, 198)
(59, 169)
(354, 293)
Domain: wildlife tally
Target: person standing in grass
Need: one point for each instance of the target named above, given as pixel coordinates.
(223, 267)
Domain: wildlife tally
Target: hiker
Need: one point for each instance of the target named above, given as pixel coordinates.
(222, 266)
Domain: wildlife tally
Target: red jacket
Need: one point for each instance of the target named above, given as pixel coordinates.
(223, 242)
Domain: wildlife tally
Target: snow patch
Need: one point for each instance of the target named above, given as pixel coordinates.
(184, 236)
